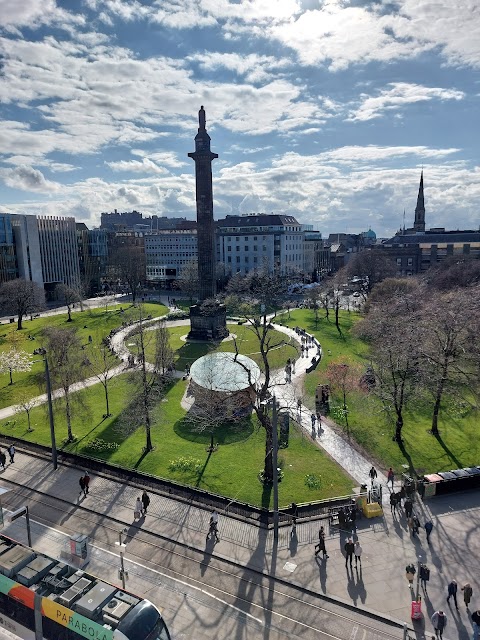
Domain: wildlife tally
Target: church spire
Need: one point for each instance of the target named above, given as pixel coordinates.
(419, 224)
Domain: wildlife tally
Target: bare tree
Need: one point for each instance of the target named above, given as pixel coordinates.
(164, 354)
(26, 403)
(450, 326)
(343, 377)
(188, 281)
(371, 266)
(147, 385)
(261, 292)
(66, 361)
(129, 262)
(70, 295)
(391, 327)
(101, 362)
(21, 297)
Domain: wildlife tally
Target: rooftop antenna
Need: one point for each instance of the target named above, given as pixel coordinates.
(404, 221)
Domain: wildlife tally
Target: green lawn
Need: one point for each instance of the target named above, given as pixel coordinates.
(232, 470)
(369, 426)
(92, 322)
(187, 353)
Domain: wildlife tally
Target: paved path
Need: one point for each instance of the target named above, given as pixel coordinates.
(380, 583)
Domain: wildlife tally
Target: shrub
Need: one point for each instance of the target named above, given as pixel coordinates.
(97, 445)
(185, 465)
(312, 481)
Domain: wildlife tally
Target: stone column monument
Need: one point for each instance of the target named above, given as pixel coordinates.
(208, 318)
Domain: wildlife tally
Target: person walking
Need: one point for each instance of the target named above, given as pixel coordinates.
(138, 509)
(467, 593)
(428, 526)
(424, 576)
(410, 526)
(213, 526)
(313, 418)
(358, 554)
(390, 477)
(145, 502)
(86, 480)
(439, 621)
(11, 453)
(81, 482)
(476, 624)
(320, 546)
(3, 459)
(452, 592)
(416, 524)
(410, 573)
(373, 474)
(393, 503)
(408, 506)
(349, 549)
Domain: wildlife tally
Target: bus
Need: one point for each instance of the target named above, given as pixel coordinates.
(45, 599)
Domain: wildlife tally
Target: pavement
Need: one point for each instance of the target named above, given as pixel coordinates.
(379, 585)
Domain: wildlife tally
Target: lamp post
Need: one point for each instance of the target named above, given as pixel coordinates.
(275, 467)
(43, 352)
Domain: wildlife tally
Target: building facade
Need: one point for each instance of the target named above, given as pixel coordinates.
(260, 241)
(8, 261)
(167, 252)
(58, 251)
(93, 257)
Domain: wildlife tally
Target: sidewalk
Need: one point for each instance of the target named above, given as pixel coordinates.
(380, 583)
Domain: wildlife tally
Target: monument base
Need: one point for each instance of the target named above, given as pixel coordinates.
(208, 322)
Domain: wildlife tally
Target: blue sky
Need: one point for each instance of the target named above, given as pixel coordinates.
(326, 110)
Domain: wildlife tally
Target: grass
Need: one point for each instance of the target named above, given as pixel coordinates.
(187, 353)
(232, 470)
(458, 445)
(92, 322)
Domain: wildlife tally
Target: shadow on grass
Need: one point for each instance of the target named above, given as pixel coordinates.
(228, 433)
(191, 351)
(141, 458)
(450, 454)
(200, 475)
(266, 495)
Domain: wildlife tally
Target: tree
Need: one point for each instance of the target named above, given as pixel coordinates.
(129, 262)
(26, 403)
(66, 361)
(101, 361)
(343, 377)
(70, 295)
(188, 281)
(454, 272)
(14, 361)
(21, 297)
(391, 327)
(164, 354)
(148, 386)
(450, 325)
(371, 267)
(261, 292)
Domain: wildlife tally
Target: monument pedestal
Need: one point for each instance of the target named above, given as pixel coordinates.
(208, 322)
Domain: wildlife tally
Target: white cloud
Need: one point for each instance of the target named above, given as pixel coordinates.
(352, 155)
(137, 166)
(32, 13)
(27, 179)
(399, 94)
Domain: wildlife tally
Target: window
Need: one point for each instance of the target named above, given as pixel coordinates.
(399, 261)
(229, 248)
(238, 258)
(410, 262)
(238, 247)
(229, 259)
(246, 258)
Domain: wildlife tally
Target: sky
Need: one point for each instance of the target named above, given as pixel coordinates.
(324, 110)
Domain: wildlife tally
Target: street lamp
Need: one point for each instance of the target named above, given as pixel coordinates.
(43, 352)
(273, 400)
